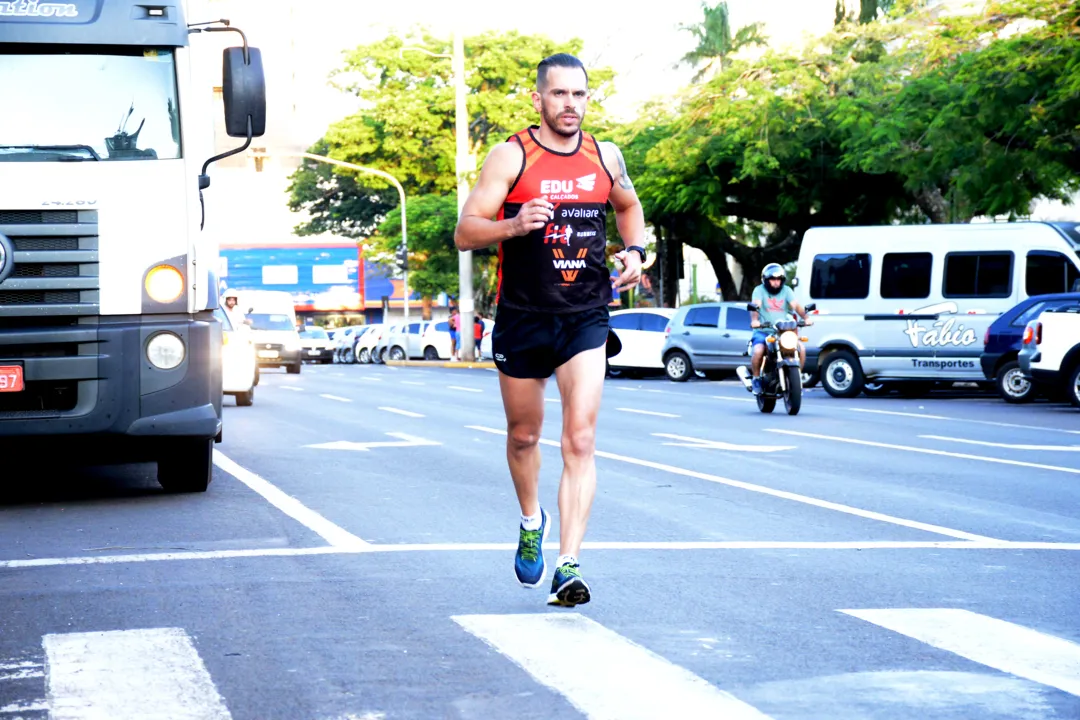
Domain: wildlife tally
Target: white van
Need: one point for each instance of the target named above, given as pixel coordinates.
(273, 322)
(911, 304)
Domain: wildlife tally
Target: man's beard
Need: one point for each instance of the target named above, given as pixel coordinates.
(552, 122)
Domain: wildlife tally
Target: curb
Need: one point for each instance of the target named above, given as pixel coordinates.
(441, 364)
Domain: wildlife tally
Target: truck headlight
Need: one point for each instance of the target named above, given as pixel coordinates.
(789, 341)
(165, 351)
(164, 284)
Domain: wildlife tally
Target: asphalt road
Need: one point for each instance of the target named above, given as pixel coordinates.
(870, 558)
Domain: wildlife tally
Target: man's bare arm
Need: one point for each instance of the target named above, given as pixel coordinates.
(477, 227)
(629, 217)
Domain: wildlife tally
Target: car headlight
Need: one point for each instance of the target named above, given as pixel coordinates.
(164, 284)
(165, 351)
(789, 341)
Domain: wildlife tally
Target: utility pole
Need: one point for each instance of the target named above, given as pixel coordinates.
(462, 165)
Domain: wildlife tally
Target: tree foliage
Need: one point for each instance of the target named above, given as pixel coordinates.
(433, 259)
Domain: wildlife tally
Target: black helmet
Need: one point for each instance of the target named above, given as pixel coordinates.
(773, 270)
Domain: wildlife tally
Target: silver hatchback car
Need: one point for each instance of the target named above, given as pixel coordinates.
(713, 338)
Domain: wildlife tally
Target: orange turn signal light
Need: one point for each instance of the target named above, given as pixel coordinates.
(804, 339)
(770, 339)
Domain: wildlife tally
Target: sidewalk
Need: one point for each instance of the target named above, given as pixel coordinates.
(441, 364)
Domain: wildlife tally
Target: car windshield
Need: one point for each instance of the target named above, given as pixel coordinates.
(72, 103)
(314, 334)
(269, 321)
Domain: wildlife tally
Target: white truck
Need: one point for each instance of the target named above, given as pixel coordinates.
(109, 349)
(1050, 355)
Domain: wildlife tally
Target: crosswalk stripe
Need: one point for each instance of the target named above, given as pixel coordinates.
(995, 643)
(602, 673)
(136, 674)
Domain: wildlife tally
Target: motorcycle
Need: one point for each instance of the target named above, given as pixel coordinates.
(781, 374)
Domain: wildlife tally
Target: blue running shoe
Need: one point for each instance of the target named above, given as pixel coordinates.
(756, 385)
(568, 588)
(529, 560)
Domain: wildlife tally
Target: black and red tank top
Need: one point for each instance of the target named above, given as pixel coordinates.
(562, 267)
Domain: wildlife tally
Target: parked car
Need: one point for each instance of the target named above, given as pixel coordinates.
(435, 341)
(316, 345)
(641, 333)
(711, 337)
(239, 367)
(1004, 339)
(344, 338)
(364, 342)
(1050, 356)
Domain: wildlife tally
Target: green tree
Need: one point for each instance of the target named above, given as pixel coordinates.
(432, 256)
(715, 44)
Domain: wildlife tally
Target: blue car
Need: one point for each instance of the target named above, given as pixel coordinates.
(1004, 339)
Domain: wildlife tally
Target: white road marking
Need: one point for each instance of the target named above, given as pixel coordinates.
(338, 398)
(626, 389)
(692, 442)
(463, 388)
(732, 399)
(1007, 446)
(995, 643)
(336, 536)
(921, 416)
(137, 674)
(552, 400)
(609, 676)
(928, 451)
(22, 674)
(193, 555)
(858, 512)
(404, 440)
(20, 665)
(647, 412)
(411, 382)
(370, 379)
(969, 420)
(406, 413)
(33, 706)
(291, 387)
(673, 545)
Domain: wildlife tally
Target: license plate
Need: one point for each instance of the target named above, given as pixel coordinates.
(268, 353)
(312, 352)
(11, 378)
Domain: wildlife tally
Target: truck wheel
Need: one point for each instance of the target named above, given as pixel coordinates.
(842, 374)
(186, 465)
(1011, 384)
(1074, 387)
(246, 399)
(677, 366)
(293, 369)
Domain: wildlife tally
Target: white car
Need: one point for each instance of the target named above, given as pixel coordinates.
(239, 367)
(316, 345)
(1050, 355)
(641, 332)
(435, 340)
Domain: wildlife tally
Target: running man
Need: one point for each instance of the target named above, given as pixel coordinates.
(547, 189)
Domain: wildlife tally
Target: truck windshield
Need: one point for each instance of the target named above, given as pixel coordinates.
(81, 103)
(268, 321)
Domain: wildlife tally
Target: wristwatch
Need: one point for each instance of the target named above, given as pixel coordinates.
(640, 251)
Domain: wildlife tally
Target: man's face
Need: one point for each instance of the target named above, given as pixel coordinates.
(230, 302)
(561, 101)
(775, 283)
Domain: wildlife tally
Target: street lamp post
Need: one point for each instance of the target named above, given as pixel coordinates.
(401, 197)
(462, 165)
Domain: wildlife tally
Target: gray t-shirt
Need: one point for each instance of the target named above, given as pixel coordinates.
(774, 307)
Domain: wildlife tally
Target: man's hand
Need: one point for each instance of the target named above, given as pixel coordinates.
(807, 321)
(755, 324)
(533, 215)
(631, 273)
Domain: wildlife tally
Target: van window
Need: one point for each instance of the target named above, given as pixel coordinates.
(442, 326)
(1049, 272)
(737, 319)
(703, 317)
(978, 274)
(840, 277)
(651, 322)
(624, 321)
(906, 275)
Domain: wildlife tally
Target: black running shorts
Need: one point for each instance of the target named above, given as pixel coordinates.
(529, 344)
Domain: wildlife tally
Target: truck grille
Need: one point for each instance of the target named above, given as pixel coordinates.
(40, 399)
(55, 263)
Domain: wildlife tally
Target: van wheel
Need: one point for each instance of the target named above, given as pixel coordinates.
(842, 375)
(1011, 384)
(187, 465)
(246, 399)
(678, 367)
(293, 369)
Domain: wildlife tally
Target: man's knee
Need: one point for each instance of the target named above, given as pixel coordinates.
(579, 441)
(523, 437)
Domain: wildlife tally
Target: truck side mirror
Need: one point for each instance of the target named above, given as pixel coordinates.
(243, 91)
(811, 307)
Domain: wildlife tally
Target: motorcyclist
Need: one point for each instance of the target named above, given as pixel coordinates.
(237, 317)
(775, 302)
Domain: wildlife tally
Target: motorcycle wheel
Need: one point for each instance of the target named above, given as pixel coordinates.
(793, 394)
(765, 404)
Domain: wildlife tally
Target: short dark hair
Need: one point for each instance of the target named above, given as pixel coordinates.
(565, 60)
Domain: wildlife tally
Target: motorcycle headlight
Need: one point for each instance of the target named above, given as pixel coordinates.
(789, 341)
